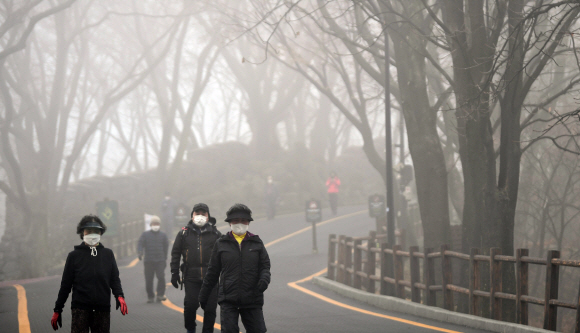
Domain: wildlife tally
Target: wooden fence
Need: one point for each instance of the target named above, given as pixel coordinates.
(124, 244)
(361, 263)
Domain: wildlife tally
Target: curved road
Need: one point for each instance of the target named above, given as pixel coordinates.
(292, 302)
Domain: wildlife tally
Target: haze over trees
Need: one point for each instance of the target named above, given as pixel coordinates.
(487, 89)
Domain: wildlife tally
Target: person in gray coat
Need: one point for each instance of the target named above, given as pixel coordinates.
(154, 245)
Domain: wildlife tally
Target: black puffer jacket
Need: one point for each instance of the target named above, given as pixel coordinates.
(154, 244)
(194, 245)
(91, 278)
(238, 267)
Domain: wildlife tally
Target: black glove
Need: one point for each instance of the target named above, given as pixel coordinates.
(175, 280)
(202, 304)
(262, 286)
(140, 257)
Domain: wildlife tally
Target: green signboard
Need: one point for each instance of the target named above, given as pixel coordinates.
(108, 212)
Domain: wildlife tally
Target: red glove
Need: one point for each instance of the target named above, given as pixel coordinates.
(121, 303)
(56, 318)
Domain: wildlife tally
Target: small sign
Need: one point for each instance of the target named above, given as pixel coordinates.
(377, 205)
(108, 212)
(313, 211)
(182, 214)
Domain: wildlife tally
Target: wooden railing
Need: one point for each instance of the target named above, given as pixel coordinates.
(361, 263)
(124, 244)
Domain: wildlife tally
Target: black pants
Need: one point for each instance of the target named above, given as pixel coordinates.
(154, 268)
(97, 321)
(333, 198)
(252, 318)
(191, 303)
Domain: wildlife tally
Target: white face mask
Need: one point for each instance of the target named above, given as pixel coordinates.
(199, 220)
(92, 239)
(239, 228)
(155, 227)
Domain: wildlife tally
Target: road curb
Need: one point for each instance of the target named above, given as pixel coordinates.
(420, 310)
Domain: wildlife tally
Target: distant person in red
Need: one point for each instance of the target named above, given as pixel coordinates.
(332, 185)
(91, 272)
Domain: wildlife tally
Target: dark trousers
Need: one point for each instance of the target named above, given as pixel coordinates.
(97, 321)
(154, 268)
(333, 198)
(252, 318)
(191, 303)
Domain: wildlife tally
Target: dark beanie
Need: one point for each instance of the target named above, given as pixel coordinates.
(200, 206)
(239, 211)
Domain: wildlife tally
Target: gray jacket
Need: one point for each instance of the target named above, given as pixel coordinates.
(154, 245)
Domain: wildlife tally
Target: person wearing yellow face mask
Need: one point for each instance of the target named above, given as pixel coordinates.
(240, 262)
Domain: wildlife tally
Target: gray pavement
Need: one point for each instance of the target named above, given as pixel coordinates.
(286, 309)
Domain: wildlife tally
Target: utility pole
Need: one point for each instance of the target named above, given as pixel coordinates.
(389, 146)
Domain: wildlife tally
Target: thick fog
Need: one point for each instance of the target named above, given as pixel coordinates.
(133, 101)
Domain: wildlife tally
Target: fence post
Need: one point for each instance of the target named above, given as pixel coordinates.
(371, 262)
(347, 261)
(340, 271)
(494, 283)
(385, 262)
(399, 274)
(429, 278)
(521, 287)
(414, 267)
(331, 256)
(577, 324)
(357, 263)
(474, 282)
(552, 277)
(447, 278)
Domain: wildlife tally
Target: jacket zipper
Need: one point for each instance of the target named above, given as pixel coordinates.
(240, 279)
(200, 257)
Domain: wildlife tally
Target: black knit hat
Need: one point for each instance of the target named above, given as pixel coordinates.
(90, 221)
(200, 206)
(239, 211)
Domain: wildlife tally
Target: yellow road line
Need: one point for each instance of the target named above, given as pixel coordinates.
(346, 306)
(310, 227)
(23, 322)
(132, 263)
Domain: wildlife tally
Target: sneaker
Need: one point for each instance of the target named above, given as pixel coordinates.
(150, 300)
(161, 298)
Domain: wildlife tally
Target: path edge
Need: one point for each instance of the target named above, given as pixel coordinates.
(398, 305)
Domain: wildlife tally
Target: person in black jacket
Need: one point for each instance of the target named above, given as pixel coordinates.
(91, 272)
(155, 245)
(190, 254)
(240, 262)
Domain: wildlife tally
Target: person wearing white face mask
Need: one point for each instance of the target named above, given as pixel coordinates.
(154, 245)
(240, 262)
(190, 254)
(92, 273)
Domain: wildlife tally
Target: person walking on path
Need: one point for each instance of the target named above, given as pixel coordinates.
(153, 245)
(240, 262)
(271, 198)
(92, 273)
(332, 185)
(191, 254)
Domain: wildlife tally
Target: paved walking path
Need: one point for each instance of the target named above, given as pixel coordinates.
(292, 302)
